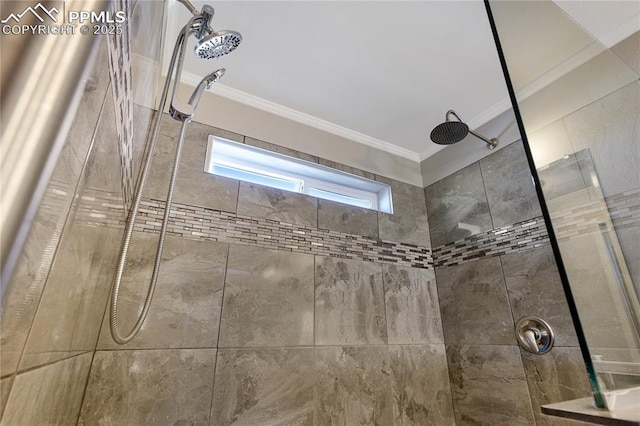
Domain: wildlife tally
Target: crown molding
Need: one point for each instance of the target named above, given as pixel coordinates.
(302, 118)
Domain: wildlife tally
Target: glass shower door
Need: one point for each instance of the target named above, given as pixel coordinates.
(578, 98)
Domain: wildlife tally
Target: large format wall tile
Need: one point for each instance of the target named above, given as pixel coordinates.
(73, 303)
(185, 311)
(193, 185)
(457, 206)
(510, 192)
(353, 386)
(268, 299)
(5, 387)
(276, 204)
(609, 129)
(420, 386)
(21, 295)
(474, 304)
(408, 223)
(411, 302)
(267, 387)
(600, 304)
(349, 302)
(348, 219)
(535, 289)
(489, 386)
(151, 387)
(49, 395)
(557, 376)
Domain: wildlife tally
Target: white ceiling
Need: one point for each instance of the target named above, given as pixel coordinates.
(381, 73)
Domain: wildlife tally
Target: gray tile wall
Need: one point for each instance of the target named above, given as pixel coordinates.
(487, 282)
(53, 307)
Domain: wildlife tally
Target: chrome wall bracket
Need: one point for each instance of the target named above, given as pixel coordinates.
(535, 335)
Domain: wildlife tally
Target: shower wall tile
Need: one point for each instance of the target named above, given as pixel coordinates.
(353, 386)
(268, 299)
(101, 170)
(609, 129)
(408, 223)
(420, 386)
(598, 299)
(489, 386)
(457, 206)
(21, 295)
(193, 185)
(535, 289)
(149, 387)
(73, 303)
(49, 395)
(557, 376)
(348, 219)
(411, 301)
(474, 304)
(349, 302)
(280, 149)
(263, 387)
(185, 312)
(275, 204)
(510, 192)
(5, 388)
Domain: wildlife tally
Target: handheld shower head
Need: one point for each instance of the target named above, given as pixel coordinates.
(218, 44)
(450, 132)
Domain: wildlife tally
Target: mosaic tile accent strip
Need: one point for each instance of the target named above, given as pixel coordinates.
(98, 208)
(214, 225)
(623, 209)
(520, 236)
(119, 47)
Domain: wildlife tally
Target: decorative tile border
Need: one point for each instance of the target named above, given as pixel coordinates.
(521, 236)
(98, 208)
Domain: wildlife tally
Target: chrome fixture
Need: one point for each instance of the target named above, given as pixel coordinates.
(220, 43)
(535, 335)
(451, 132)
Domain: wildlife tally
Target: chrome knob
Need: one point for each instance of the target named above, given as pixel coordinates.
(535, 335)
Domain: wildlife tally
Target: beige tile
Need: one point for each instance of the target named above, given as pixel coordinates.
(474, 304)
(457, 206)
(73, 303)
(349, 302)
(348, 219)
(276, 204)
(535, 289)
(420, 386)
(263, 387)
(185, 310)
(151, 387)
(5, 388)
(489, 386)
(353, 386)
(557, 376)
(510, 191)
(49, 395)
(268, 299)
(411, 302)
(408, 223)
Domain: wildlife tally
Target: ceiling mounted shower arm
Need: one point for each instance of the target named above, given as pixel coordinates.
(491, 143)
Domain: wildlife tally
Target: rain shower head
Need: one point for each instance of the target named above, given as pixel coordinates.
(451, 132)
(218, 44)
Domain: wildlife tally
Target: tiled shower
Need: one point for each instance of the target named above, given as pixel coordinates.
(275, 308)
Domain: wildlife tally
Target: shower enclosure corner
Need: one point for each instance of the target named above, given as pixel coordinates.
(576, 98)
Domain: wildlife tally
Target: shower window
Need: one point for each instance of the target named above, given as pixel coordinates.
(256, 165)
